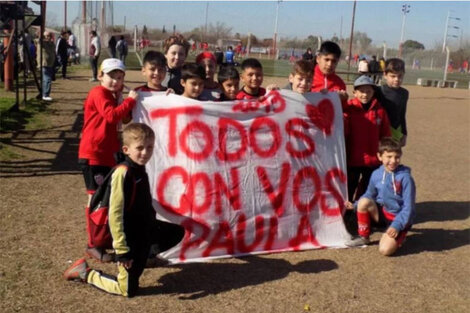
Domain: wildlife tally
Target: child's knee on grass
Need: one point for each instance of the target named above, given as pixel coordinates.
(387, 245)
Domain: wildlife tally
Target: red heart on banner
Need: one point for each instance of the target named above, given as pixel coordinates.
(322, 115)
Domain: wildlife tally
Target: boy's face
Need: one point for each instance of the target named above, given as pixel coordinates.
(113, 81)
(154, 75)
(210, 68)
(394, 80)
(252, 77)
(327, 63)
(193, 87)
(140, 151)
(230, 88)
(175, 56)
(300, 83)
(364, 93)
(390, 160)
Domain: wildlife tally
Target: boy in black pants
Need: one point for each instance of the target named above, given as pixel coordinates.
(132, 222)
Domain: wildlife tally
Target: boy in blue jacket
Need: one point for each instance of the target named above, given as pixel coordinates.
(389, 200)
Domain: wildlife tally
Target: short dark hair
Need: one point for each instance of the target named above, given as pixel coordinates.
(251, 63)
(192, 70)
(330, 47)
(394, 65)
(155, 58)
(227, 72)
(388, 144)
(93, 33)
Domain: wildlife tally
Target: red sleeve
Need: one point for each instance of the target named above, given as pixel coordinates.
(385, 130)
(106, 107)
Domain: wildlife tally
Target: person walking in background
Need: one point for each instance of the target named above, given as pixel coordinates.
(112, 47)
(374, 69)
(94, 53)
(363, 66)
(62, 52)
(48, 62)
(122, 49)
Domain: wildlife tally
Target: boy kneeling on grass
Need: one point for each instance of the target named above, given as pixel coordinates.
(389, 200)
(132, 223)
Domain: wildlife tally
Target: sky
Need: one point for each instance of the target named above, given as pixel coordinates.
(381, 20)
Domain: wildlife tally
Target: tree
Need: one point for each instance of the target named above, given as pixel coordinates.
(413, 45)
(163, 29)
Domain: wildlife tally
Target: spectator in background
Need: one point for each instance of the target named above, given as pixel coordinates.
(48, 63)
(219, 56)
(363, 66)
(112, 47)
(62, 48)
(94, 53)
(374, 69)
(72, 41)
(122, 49)
(308, 55)
(229, 56)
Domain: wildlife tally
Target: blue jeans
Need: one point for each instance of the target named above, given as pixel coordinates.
(47, 73)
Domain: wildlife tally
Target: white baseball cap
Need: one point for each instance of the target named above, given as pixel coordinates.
(109, 65)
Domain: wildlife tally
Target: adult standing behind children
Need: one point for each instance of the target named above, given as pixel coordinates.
(99, 142)
(62, 52)
(131, 218)
(48, 63)
(394, 98)
(324, 77)
(122, 49)
(94, 54)
(112, 47)
(176, 50)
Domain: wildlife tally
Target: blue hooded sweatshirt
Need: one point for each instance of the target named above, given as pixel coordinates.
(395, 191)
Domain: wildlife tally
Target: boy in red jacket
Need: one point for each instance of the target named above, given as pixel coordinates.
(365, 123)
(324, 76)
(100, 141)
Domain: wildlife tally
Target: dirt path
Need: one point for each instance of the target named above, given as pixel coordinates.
(42, 229)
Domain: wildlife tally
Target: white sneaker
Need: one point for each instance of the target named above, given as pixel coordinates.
(47, 98)
(358, 242)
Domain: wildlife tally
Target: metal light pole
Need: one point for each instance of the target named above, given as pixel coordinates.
(275, 30)
(447, 28)
(405, 9)
(351, 37)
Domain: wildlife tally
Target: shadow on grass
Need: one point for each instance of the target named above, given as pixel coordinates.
(199, 280)
(50, 161)
(14, 120)
(440, 211)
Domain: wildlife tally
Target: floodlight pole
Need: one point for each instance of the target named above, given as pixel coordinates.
(275, 30)
(445, 32)
(405, 10)
(351, 37)
(447, 64)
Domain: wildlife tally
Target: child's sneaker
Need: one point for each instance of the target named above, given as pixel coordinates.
(358, 242)
(99, 254)
(77, 271)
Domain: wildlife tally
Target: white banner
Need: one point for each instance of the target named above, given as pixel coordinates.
(248, 177)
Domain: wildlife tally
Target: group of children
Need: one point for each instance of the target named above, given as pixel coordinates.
(370, 119)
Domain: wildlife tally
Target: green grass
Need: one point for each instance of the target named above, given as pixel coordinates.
(32, 115)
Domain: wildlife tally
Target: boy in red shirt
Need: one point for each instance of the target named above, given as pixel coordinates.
(365, 123)
(154, 70)
(100, 142)
(252, 77)
(324, 76)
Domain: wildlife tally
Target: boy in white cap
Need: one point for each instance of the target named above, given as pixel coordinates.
(99, 141)
(365, 123)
